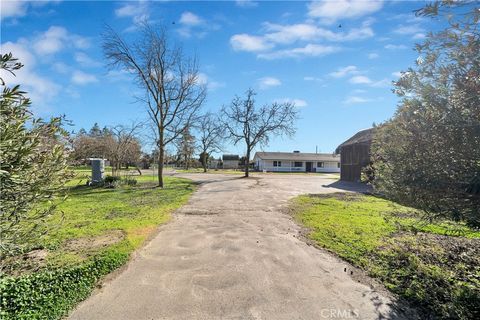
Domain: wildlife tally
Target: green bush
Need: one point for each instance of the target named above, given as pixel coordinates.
(111, 181)
(51, 294)
(129, 181)
(427, 155)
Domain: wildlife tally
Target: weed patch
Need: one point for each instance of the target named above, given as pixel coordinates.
(433, 265)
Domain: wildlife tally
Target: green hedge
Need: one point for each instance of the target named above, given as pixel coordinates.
(51, 294)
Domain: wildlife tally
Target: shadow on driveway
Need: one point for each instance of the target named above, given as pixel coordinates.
(349, 186)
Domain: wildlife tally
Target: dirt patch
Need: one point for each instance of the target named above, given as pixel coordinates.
(343, 196)
(25, 263)
(93, 243)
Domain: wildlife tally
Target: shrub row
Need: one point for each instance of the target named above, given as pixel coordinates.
(51, 294)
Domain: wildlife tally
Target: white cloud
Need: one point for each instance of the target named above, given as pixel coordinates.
(276, 36)
(409, 29)
(130, 10)
(268, 82)
(330, 11)
(40, 89)
(367, 81)
(190, 19)
(310, 78)
(118, 76)
(56, 39)
(342, 72)
(419, 36)
(395, 47)
(360, 80)
(297, 102)
(194, 25)
(397, 74)
(18, 8)
(384, 83)
(355, 100)
(13, 9)
(138, 12)
(373, 55)
(212, 85)
(245, 42)
(246, 3)
(286, 34)
(60, 67)
(82, 78)
(51, 41)
(310, 50)
(84, 60)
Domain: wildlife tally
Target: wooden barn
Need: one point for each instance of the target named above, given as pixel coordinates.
(355, 155)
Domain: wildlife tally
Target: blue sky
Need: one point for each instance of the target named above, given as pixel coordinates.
(335, 60)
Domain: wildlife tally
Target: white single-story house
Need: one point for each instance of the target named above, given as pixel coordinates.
(296, 162)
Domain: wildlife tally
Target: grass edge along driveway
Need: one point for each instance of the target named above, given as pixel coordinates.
(96, 233)
(434, 266)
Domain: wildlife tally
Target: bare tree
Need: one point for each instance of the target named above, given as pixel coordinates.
(124, 146)
(254, 126)
(210, 139)
(173, 93)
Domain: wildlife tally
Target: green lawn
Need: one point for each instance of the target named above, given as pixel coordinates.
(436, 266)
(92, 233)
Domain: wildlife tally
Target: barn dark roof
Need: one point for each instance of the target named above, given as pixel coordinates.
(361, 137)
(230, 157)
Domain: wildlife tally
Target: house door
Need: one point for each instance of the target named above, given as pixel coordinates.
(308, 166)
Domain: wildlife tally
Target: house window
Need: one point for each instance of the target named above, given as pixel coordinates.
(320, 165)
(298, 164)
(338, 164)
(277, 163)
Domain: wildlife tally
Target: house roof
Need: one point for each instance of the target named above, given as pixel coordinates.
(230, 157)
(364, 136)
(300, 156)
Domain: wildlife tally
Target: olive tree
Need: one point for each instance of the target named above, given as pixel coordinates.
(172, 89)
(245, 122)
(428, 154)
(33, 166)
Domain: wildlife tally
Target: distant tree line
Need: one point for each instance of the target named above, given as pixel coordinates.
(119, 144)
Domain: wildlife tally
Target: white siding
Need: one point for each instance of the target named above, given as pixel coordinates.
(230, 164)
(328, 166)
(288, 166)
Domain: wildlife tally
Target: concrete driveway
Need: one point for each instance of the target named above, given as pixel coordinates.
(231, 253)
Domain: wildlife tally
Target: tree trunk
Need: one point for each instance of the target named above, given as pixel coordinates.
(160, 166)
(204, 161)
(247, 161)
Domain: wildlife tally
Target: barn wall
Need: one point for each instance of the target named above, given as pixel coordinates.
(353, 158)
